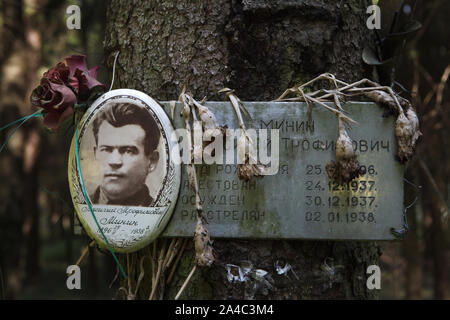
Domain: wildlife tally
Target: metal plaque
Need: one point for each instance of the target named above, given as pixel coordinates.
(300, 201)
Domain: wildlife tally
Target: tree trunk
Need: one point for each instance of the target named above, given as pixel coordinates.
(259, 48)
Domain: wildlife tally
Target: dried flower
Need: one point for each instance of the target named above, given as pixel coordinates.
(57, 100)
(407, 132)
(83, 79)
(386, 100)
(204, 252)
(251, 167)
(247, 171)
(346, 167)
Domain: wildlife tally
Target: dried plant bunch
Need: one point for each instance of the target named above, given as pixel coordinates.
(204, 252)
(251, 166)
(346, 167)
(209, 121)
(406, 126)
(247, 171)
(385, 99)
(344, 148)
(407, 132)
(315, 97)
(130, 294)
(209, 124)
(197, 149)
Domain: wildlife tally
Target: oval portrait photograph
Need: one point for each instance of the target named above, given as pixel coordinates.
(124, 143)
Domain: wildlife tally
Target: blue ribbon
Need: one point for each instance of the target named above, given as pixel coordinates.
(37, 114)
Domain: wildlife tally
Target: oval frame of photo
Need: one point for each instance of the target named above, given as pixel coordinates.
(134, 223)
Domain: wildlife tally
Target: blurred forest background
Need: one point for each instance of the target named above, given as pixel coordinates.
(36, 213)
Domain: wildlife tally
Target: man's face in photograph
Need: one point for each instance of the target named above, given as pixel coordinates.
(124, 164)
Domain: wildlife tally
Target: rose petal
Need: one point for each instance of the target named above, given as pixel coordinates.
(76, 62)
(93, 71)
(55, 99)
(58, 74)
(73, 82)
(44, 97)
(86, 82)
(35, 96)
(68, 96)
(47, 94)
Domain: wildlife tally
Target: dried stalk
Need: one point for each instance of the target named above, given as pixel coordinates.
(186, 282)
(180, 253)
(346, 167)
(141, 276)
(250, 167)
(173, 253)
(129, 273)
(158, 272)
(172, 108)
(131, 295)
(159, 266)
(169, 252)
(406, 126)
(204, 253)
(84, 253)
(153, 262)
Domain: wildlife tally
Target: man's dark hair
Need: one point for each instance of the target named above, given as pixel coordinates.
(122, 114)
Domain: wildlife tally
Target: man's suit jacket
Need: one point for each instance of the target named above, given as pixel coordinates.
(141, 198)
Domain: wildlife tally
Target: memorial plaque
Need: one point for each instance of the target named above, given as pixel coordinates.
(128, 184)
(300, 201)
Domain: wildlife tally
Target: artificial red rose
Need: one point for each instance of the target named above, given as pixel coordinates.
(59, 74)
(56, 99)
(86, 79)
(62, 86)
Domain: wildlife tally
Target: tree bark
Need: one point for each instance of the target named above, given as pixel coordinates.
(259, 48)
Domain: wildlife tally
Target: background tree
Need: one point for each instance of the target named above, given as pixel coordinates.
(19, 61)
(36, 234)
(426, 70)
